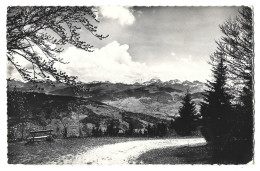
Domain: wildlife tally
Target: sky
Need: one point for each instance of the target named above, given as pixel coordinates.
(166, 43)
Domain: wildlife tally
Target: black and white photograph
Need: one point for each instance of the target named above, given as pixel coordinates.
(130, 85)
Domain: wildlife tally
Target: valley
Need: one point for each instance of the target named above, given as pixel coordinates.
(57, 105)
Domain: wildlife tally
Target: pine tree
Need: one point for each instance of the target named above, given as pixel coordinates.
(187, 113)
(237, 45)
(216, 109)
(237, 49)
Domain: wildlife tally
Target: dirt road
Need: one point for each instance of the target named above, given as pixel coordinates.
(126, 152)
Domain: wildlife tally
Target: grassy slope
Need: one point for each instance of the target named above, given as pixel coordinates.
(186, 155)
(94, 111)
(172, 155)
(43, 152)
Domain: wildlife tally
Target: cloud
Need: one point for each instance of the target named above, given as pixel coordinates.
(11, 71)
(114, 63)
(181, 69)
(120, 13)
(111, 63)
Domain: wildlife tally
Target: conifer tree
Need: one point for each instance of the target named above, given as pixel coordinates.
(236, 49)
(216, 109)
(237, 45)
(187, 113)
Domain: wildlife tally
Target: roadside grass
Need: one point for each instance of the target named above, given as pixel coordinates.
(189, 155)
(44, 152)
(183, 155)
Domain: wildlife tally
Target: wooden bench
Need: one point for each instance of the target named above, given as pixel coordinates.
(46, 134)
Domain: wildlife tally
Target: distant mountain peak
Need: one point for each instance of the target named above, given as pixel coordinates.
(175, 81)
(94, 82)
(186, 82)
(108, 82)
(13, 79)
(137, 83)
(152, 81)
(155, 80)
(197, 82)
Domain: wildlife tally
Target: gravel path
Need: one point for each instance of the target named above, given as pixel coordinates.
(126, 152)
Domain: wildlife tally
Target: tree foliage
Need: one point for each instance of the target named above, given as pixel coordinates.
(232, 126)
(160, 129)
(17, 107)
(130, 131)
(113, 127)
(237, 45)
(216, 109)
(37, 34)
(187, 114)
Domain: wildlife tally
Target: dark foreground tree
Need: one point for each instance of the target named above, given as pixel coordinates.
(243, 61)
(237, 51)
(187, 113)
(238, 45)
(38, 34)
(216, 109)
(17, 106)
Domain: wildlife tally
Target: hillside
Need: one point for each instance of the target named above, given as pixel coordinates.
(30, 110)
(154, 98)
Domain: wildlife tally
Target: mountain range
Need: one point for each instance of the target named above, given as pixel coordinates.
(153, 98)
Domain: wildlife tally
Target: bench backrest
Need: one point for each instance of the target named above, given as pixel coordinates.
(41, 131)
(33, 133)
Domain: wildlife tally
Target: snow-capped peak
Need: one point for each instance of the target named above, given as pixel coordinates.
(175, 81)
(152, 81)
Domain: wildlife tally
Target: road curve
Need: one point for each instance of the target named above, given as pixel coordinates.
(127, 152)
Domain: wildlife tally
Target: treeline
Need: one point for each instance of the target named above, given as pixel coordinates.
(156, 130)
(227, 111)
